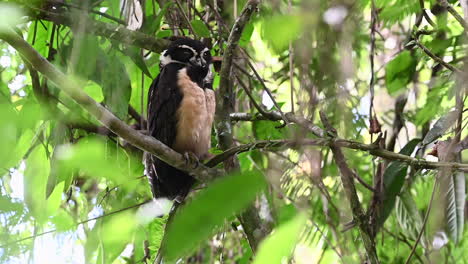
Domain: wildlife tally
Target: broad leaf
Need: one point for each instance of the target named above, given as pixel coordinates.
(200, 28)
(35, 180)
(399, 71)
(394, 178)
(208, 210)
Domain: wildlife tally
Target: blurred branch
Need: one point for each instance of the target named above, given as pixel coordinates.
(347, 178)
(132, 136)
(110, 31)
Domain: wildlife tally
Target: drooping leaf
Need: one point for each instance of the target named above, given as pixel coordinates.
(455, 207)
(246, 35)
(278, 246)
(115, 84)
(104, 68)
(115, 233)
(207, 211)
(200, 28)
(394, 178)
(407, 215)
(439, 128)
(55, 199)
(9, 132)
(135, 55)
(35, 180)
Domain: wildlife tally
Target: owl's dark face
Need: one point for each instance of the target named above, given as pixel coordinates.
(189, 52)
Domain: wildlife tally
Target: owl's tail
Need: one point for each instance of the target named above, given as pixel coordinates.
(167, 181)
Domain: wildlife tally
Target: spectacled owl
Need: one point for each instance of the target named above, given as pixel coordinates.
(181, 108)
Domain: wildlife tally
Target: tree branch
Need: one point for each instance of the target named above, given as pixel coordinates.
(342, 143)
(437, 59)
(347, 178)
(110, 31)
(132, 136)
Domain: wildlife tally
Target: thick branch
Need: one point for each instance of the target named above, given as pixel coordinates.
(114, 124)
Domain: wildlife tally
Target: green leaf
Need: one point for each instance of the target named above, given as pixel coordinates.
(439, 128)
(200, 28)
(98, 159)
(246, 35)
(55, 199)
(396, 10)
(279, 30)
(94, 91)
(278, 246)
(200, 217)
(115, 234)
(394, 178)
(399, 71)
(455, 199)
(267, 130)
(9, 132)
(115, 84)
(105, 69)
(35, 180)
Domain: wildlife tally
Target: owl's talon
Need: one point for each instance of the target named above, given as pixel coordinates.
(191, 158)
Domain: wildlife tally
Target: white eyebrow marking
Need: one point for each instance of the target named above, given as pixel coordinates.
(188, 47)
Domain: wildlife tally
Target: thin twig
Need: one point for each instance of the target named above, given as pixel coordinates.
(425, 15)
(187, 20)
(424, 223)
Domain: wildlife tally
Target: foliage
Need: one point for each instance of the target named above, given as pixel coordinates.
(72, 188)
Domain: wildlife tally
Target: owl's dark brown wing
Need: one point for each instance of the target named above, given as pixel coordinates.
(164, 98)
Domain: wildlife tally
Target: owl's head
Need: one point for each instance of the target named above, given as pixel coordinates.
(187, 51)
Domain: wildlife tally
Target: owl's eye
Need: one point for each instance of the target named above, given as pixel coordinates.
(186, 54)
